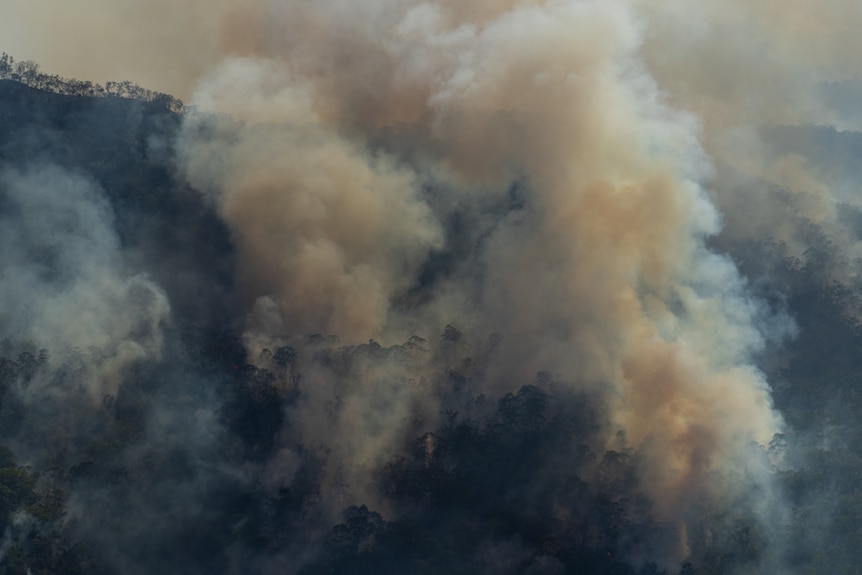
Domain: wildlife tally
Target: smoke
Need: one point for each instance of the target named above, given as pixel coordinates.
(325, 230)
(751, 73)
(554, 179)
(352, 122)
(187, 37)
(64, 282)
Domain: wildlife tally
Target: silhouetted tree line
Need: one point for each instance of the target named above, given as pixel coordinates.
(27, 72)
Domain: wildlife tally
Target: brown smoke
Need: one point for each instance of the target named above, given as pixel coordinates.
(614, 115)
(603, 276)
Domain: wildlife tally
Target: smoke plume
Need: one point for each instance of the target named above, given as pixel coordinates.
(552, 185)
(600, 275)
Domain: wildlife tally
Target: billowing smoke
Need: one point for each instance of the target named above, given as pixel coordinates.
(599, 275)
(430, 204)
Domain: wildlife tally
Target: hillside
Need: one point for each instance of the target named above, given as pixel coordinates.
(142, 432)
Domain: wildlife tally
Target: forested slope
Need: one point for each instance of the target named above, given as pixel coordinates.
(140, 435)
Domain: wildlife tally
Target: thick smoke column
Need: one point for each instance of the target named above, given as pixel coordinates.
(342, 111)
(545, 176)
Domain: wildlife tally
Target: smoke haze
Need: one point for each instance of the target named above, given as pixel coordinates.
(420, 206)
(584, 276)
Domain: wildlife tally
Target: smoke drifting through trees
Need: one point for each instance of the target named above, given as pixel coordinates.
(600, 276)
(550, 178)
